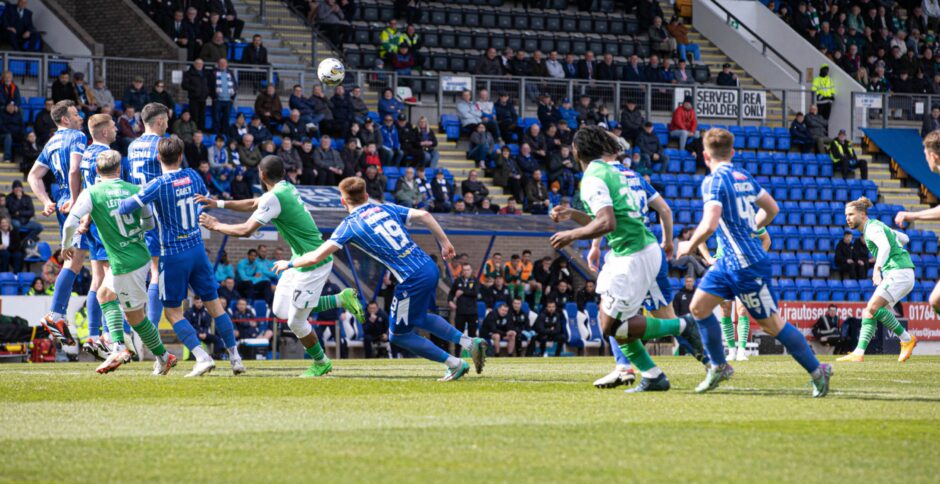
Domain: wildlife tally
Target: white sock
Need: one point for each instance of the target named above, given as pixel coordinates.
(119, 347)
(466, 341)
(653, 372)
(201, 355)
(453, 362)
(905, 337)
(623, 368)
(858, 351)
(233, 353)
(682, 325)
(58, 316)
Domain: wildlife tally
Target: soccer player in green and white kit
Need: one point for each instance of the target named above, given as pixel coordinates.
(126, 280)
(633, 263)
(893, 275)
(298, 291)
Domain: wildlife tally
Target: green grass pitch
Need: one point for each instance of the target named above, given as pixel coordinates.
(533, 419)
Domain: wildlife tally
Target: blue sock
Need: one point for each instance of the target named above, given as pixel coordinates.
(225, 329)
(711, 339)
(94, 314)
(186, 333)
(621, 358)
(420, 346)
(685, 345)
(63, 290)
(127, 327)
(154, 306)
(439, 327)
(795, 343)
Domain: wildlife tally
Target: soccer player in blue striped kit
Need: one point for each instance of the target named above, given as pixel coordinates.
(379, 230)
(183, 259)
(62, 155)
(737, 206)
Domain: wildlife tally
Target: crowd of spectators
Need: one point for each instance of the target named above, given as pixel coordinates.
(19, 31)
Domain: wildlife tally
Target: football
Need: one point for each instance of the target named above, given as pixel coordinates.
(331, 72)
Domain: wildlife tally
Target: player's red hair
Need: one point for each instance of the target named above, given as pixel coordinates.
(353, 190)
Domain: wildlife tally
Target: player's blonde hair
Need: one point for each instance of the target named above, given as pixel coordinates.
(353, 190)
(96, 122)
(860, 205)
(932, 142)
(719, 143)
(108, 162)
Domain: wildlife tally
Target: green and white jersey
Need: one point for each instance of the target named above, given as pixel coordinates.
(605, 186)
(281, 205)
(122, 235)
(887, 246)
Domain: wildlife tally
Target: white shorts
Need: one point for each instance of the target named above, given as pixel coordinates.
(300, 289)
(625, 281)
(895, 285)
(131, 288)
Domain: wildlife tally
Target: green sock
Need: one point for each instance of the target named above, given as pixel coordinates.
(112, 317)
(744, 328)
(639, 357)
(727, 329)
(657, 328)
(150, 336)
(886, 317)
(316, 352)
(865, 335)
(538, 297)
(326, 303)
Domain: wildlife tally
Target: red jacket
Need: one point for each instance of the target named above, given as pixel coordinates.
(683, 119)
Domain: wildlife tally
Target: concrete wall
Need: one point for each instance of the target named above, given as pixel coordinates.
(62, 33)
(123, 29)
(768, 69)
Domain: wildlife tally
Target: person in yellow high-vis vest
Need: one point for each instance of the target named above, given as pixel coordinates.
(825, 91)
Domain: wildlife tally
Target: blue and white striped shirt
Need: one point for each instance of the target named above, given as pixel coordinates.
(379, 230)
(142, 156)
(736, 191)
(174, 208)
(57, 157)
(90, 165)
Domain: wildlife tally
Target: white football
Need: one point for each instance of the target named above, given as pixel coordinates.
(331, 72)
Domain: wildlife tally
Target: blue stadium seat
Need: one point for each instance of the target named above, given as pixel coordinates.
(810, 217)
(840, 190)
(793, 213)
(783, 139)
(790, 266)
(753, 138)
(823, 242)
(836, 291)
(797, 168)
(823, 214)
(821, 261)
(765, 163)
(806, 266)
(775, 264)
(805, 289)
(767, 139)
(261, 308)
(25, 280)
(807, 239)
(8, 284)
(795, 188)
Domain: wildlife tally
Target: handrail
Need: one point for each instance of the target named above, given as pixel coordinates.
(764, 45)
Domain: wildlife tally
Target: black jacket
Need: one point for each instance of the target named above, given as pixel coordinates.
(843, 253)
(583, 69)
(648, 143)
(342, 110)
(21, 209)
(199, 318)
(493, 323)
(682, 300)
(520, 320)
(585, 297)
(377, 327)
(196, 84)
(492, 295)
(258, 57)
(467, 302)
(606, 72)
(505, 113)
(551, 325)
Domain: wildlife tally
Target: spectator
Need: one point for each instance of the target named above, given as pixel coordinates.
(631, 121)
(233, 24)
(425, 196)
(473, 185)
(322, 113)
(370, 156)
(587, 67)
(159, 95)
(683, 297)
(249, 156)
(290, 156)
(536, 141)
(660, 40)
(587, 294)
(469, 204)
(375, 184)
(30, 153)
(196, 85)
(462, 300)
(268, 106)
(427, 140)
(818, 128)
(255, 53)
(680, 33)
(799, 134)
(681, 75)
(585, 110)
(179, 30)
(134, 95)
(38, 288)
(554, 67)
(353, 160)
(488, 64)
(562, 294)
(184, 127)
(569, 115)
(247, 325)
(375, 329)
(259, 131)
(370, 134)
(468, 112)
(250, 274)
(63, 89)
(389, 40)
(511, 208)
(308, 174)
(547, 112)
(650, 151)
(359, 108)
(412, 40)
(507, 174)
(211, 24)
(684, 123)
(498, 326)
(843, 156)
(391, 143)
(22, 211)
(570, 66)
(537, 194)
(931, 121)
(826, 330)
(202, 321)
(692, 264)
(519, 65)
(11, 248)
(20, 32)
(101, 94)
(328, 162)
(341, 108)
(726, 77)
(241, 186)
(225, 89)
(402, 61)
(607, 70)
(301, 104)
(406, 189)
(218, 155)
(549, 326)
(441, 193)
(194, 27)
(413, 155)
(83, 95)
(130, 127)
(482, 146)
(850, 267)
(563, 169)
(216, 48)
(224, 271)
(506, 116)
(825, 91)
(389, 105)
(12, 129)
(196, 150)
(525, 161)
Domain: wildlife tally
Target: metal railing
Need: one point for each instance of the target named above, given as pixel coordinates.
(878, 109)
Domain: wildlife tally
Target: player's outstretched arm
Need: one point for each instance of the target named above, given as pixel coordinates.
(604, 223)
(768, 210)
(243, 229)
(560, 214)
(705, 229)
(665, 220)
(930, 214)
(308, 259)
(247, 205)
(36, 173)
(75, 177)
(447, 249)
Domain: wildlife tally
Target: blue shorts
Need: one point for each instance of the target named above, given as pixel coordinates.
(95, 247)
(751, 285)
(153, 242)
(82, 239)
(188, 269)
(652, 303)
(413, 298)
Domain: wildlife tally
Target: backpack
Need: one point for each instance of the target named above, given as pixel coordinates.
(43, 351)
